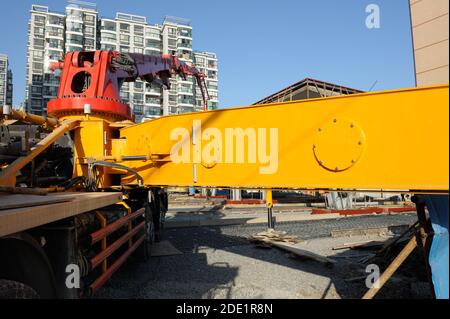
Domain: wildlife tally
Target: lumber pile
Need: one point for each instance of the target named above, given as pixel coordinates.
(272, 235)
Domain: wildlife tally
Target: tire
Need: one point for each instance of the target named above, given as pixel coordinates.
(159, 217)
(146, 246)
(10, 289)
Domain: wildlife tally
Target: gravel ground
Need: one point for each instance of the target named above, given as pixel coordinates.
(218, 262)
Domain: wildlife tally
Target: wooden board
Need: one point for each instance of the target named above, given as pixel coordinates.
(9, 201)
(302, 252)
(19, 219)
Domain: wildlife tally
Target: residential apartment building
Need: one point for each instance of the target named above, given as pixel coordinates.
(80, 28)
(50, 35)
(6, 85)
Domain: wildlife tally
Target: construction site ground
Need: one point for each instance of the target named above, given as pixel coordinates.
(206, 253)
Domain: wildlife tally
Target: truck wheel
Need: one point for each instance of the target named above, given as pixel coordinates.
(10, 289)
(146, 247)
(159, 216)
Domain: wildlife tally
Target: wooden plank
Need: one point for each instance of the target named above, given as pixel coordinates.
(361, 244)
(302, 252)
(23, 190)
(10, 201)
(19, 219)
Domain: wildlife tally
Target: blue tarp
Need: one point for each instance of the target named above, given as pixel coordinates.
(438, 210)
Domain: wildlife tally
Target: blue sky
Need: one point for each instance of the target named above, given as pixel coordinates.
(262, 45)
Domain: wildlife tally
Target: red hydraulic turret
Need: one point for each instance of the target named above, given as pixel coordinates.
(91, 81)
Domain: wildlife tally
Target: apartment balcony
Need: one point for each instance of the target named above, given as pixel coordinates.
(108, 41)
(152, 36)
(187, 37)
(51, 24)
(54, 35)
(153, 92)
(185, 92)
(153, 104)
(48, 47)
(186, 103)
(184, 46)
(153, 44)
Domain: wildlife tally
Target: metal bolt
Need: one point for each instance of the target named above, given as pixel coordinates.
(336, 169)
(359, 143)
(352, 126)
(319, 129)
(321, 162)
(353, 161)
(334, 120)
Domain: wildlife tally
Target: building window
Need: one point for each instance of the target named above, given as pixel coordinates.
(55, 43)
(152, 52)
(89, 31)
(55, 20)
(152, 100)
(38, 43)
(38, 55)
(37, 78)
(55, 32)
(199, 61)
(152, 44)
(125, 96)
(184, 43)
(185, 33)
(212, 86)
(124, 27)
(35, 103)
(38, 31)
(185, 99)
(138, 98)
(124, 39)
(212, 64)
(74, 27)
(124, 49)
(74, 39)
(172, 43)
(108, 47)
(108, 25)
(172, 31)
(36, 90)
(39, 20)
(74, 14)
(50, 79)
(50, 90)
(73, 49)
(110, 37)
(139, 41)
(212, 74)
(152, 33)
(38, 67)
(138, 109)
(89, 19)
(139, 30)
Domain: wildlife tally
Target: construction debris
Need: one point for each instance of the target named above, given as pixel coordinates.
(281, 240)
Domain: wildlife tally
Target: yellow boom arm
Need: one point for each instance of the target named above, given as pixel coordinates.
(393, 140)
